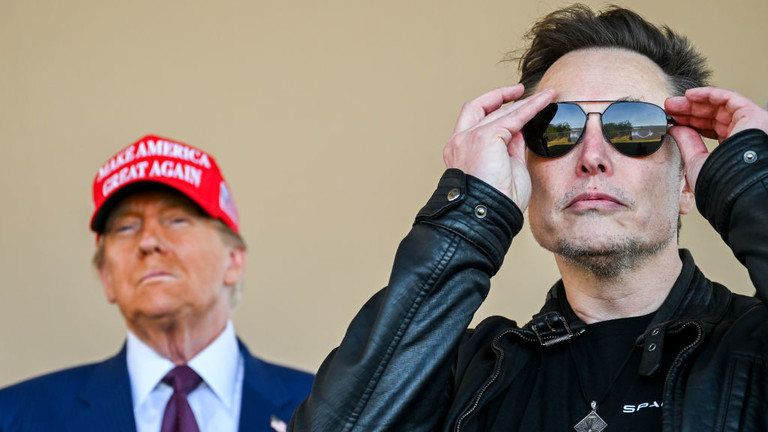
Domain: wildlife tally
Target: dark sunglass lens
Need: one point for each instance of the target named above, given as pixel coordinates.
(533, 131)
(555, 130)
(635, 128)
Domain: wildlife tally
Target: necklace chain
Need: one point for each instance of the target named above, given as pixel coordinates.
(592, 422)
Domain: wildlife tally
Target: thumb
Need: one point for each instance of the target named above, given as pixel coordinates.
(692, 150)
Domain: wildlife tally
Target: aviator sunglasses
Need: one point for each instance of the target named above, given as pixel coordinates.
(634, 128)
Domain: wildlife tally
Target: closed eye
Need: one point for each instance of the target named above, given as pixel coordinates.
(178, 220)
(124, 227)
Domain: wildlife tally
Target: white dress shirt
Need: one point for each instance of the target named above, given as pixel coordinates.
(215, 403)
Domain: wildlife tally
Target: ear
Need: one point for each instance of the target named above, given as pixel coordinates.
(106, 282)
(236, 267)
(687, 196)
(688, 146)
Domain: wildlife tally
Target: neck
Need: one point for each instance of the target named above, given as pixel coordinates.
(177, 341)
(636, 291)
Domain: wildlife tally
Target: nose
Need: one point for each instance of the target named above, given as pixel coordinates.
(150, 238)
(594, 152)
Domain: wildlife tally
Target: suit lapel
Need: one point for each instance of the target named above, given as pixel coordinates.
(105, 398)
(264, 395)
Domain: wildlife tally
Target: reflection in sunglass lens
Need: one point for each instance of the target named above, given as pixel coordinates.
(635, 128)
(555, 130)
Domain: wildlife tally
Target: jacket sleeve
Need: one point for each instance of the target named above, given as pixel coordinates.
(392, 370)
(732, 193)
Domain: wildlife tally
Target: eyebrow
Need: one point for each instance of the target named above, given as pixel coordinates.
(115, 215)
(131, 209)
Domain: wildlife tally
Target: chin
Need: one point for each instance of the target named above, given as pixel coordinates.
(590, 238)
(610, 257)
(160, 307)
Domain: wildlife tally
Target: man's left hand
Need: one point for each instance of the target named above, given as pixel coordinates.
(714, 113)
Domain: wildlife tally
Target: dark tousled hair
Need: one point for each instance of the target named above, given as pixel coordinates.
(578, 27)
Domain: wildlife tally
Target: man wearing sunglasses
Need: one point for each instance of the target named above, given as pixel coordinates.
(633, 337)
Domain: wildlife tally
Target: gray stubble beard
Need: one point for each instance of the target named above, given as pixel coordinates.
(610, 262)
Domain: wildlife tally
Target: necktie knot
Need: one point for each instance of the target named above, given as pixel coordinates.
(183, 379)
(178, 415)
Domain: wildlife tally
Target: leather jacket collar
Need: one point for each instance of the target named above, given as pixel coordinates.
(692, 297)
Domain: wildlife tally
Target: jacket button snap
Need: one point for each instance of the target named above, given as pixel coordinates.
(481, 211)
(750, 156)
(655, 332)
(652, 347)
(453, 194)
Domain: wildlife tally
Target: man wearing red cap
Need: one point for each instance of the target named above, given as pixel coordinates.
(170, 255)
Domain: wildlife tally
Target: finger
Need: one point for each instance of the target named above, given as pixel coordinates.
(715, 96)
(688, 141)
(718, 113)
(681, 106)
(678, 105)
(704, 126)
(510, 120)
(516, 147)
(717, 102)
(477, 109)
(692, 150)
(705, 101)
(709, 114)
(527, 108)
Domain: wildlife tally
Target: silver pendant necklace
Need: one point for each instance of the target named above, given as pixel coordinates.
(592, 422)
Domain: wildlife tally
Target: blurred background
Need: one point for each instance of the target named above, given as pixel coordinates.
(328, 120)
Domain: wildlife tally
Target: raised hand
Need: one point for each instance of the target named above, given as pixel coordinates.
(714, 113)
(487, 142)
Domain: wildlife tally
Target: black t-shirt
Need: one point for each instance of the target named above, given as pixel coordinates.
(601, 365)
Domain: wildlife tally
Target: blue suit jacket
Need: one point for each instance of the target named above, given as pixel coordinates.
(97, 397)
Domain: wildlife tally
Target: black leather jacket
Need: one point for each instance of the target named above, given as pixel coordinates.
(408, 362)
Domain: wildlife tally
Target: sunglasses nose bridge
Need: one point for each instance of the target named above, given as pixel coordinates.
(594, 148)
(597, 126)
(598, 114)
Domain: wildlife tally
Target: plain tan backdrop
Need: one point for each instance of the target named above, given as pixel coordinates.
(328, 119)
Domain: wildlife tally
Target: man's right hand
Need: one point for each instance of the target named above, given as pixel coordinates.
(487, 141)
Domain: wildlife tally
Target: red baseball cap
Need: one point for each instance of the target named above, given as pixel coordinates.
(158, 160)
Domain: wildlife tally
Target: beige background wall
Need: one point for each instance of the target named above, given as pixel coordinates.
(328, 118)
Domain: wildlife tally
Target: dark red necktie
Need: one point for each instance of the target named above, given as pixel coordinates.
(178, 415)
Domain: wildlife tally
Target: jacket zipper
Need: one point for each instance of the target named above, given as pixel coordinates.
(494, 375)
(676, 362)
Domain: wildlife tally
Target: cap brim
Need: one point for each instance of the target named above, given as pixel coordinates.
(99, 219)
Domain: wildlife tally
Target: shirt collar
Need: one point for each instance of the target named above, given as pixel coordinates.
(217, 365)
